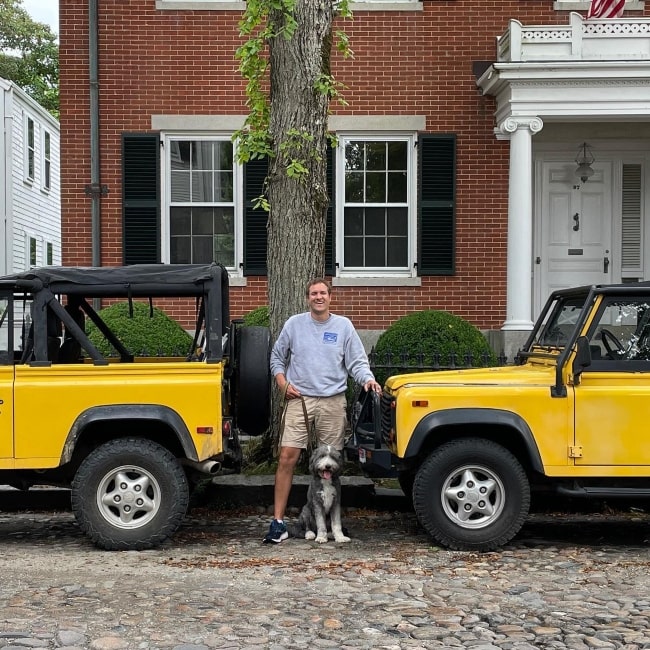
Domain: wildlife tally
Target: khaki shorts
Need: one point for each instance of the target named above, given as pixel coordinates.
(326, 414)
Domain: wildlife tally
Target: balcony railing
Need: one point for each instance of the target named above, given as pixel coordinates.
(611, 39)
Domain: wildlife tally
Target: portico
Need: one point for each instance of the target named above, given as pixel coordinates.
(587, 77)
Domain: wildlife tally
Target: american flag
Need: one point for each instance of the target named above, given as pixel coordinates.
(606, 9)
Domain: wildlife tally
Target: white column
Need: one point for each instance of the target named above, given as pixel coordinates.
(519, 291)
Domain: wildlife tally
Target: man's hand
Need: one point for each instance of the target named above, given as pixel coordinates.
(371, 384)
(291, 392)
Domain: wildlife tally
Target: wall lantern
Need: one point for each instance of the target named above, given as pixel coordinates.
(585, 159)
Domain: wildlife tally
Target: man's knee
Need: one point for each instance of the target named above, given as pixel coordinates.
(288, 458)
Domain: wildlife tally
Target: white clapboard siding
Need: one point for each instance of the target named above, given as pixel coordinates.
(28, 208)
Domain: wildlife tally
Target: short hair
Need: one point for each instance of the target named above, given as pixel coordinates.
(314, 281)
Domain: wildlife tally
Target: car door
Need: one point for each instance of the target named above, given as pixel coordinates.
(6, 380)
(612, 400)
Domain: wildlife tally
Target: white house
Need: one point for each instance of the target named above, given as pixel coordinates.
(30, 190)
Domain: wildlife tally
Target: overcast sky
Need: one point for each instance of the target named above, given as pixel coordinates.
(44, 11)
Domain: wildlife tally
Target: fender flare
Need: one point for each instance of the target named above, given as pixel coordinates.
(475, 416)
(118, 412)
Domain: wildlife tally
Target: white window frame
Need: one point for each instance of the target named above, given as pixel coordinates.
(29, 238)
(238, 195)
(29, 150)
(383, 136)
(48, 253)
(46, 160)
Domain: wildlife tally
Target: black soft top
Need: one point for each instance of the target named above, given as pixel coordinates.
(137, 279)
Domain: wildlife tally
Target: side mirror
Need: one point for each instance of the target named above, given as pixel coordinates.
(582, 359)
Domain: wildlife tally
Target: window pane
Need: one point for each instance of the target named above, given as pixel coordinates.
(224, 249)
(397, 156)
(180, 155)
(376, 187)
(202, 152)
(223, 190)
(354, 187)
(353, 222)
(375, 221)
(353, 251)
(224, 221)
(32, 252)
(180, 250)
(201, 221)
(202, 187)
(180, 221)
(50, 254)
(397, 221)
(354, 156)
(224, 155)
(397, 251)
(180, 187)
(375, 251)
(376, 156)
(201, 250)
(397, 187)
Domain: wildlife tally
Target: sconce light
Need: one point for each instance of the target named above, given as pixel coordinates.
(585, 159)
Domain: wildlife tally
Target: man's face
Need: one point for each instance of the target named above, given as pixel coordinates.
(319, 299)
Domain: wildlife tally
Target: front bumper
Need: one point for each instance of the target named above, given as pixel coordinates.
(366, 446)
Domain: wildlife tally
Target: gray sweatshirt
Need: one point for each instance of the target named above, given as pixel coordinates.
(316, 358)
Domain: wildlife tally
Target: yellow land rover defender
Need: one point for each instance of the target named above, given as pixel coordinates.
(469, 446)
(125, 433)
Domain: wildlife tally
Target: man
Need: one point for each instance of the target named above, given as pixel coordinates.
(311, 361)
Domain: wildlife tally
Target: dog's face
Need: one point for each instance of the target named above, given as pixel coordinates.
(325, 462)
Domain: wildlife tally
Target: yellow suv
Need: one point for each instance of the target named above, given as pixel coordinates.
(470, 445)
(126, 433)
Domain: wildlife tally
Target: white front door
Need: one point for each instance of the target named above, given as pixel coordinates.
(575, 229)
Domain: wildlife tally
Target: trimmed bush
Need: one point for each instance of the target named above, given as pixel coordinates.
(430, 338)
(153, 334)
(258, 316)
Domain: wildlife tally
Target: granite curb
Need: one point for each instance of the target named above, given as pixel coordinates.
(228, 491)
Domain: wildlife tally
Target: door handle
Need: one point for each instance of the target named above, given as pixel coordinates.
(576, 218)
(605, 264)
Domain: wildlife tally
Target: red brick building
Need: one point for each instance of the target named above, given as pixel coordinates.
(454, 183)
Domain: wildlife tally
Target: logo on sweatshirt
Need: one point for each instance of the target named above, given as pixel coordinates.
(330, 338)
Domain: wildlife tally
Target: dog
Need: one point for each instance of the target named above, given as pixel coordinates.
(323, 507)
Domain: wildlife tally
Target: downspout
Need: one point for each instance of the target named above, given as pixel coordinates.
(95, 190)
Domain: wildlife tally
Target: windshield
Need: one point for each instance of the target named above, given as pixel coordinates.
(556, 325)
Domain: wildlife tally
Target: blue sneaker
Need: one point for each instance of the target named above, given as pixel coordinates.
(277, 533)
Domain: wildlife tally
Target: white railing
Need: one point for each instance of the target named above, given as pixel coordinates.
(588, 40)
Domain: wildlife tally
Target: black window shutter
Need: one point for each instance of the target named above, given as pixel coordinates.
(437, 204)
(330, 256)
(255, 220)
(141, 198)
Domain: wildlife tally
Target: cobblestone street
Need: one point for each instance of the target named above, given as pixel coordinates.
(574, 581)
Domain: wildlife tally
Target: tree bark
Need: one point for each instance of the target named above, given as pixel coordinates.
(298, 206)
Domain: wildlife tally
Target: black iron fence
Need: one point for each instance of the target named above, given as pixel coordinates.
(392, 363)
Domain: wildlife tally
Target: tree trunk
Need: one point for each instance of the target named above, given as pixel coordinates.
(297, 218)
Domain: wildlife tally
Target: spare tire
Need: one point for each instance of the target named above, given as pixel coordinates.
(252, 379)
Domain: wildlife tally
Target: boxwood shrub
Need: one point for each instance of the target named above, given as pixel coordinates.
(430, 338)
(142, 333)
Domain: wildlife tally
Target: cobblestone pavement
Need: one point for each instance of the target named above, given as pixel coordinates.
(573, 581)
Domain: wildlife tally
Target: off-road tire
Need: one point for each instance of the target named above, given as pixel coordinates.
(471, 494)
(252, 380)
(130, 494)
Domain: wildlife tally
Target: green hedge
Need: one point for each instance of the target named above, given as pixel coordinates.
(258, 316)
(429, 336)
(154, 334)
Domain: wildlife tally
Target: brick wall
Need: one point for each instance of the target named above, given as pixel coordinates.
(182, 62)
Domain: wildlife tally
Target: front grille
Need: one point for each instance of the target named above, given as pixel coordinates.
(386, 415)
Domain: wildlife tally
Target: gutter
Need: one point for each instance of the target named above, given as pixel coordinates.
(95, 190)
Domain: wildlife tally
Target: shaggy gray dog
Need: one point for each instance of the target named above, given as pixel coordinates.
(323, 507)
